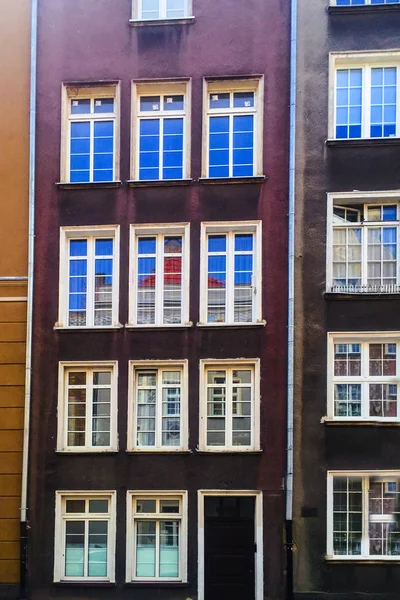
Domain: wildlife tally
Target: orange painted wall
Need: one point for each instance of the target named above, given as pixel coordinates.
(14, 157)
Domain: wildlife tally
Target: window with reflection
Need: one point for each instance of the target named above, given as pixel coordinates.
(153, 10)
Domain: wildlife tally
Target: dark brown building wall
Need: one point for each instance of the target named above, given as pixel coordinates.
(322, 169)
(94, 42)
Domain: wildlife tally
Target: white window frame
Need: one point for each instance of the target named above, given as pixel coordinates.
(382, 476)
(357, 200)
(131, 495)
(137, 12)
(258, 537)
(140, 365)
(231, 227)
(364, 338)
(59, 538)
(62, 421)
(83, 232)
(256, 85)
(229, 363)
(161, 88)
(154, 230)
(365, 61)
(81, 92)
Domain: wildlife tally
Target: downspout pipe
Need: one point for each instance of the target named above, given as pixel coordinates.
(28, 368)
(291, 266)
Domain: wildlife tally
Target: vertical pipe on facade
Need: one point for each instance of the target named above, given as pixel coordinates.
(31, 239)
(291, 265)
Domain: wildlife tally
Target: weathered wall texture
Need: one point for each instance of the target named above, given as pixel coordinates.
(14, 154)
(322, 169)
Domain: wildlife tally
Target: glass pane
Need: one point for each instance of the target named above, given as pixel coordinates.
(169, 506)
(146, 506)
(104, 105)
(97, 555)
(75, 506)
(169, 549)
(74, 548)
(80, 107)
(145, 549)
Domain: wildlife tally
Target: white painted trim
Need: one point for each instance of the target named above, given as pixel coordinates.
(59, 535)
(182, 365)
(137, 10)
(254, 364)
(160, 229)
(130, 541)
(258, 524)
(95, 231)
(62, 443)
(231, 227)
(14, 299)
(365, 475)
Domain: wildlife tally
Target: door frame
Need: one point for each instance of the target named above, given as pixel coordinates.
(258, 537)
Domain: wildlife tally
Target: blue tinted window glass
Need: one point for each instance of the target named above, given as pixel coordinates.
(219, 158)
(243, 152)
(149, 143)
(243, 262)
(389, 213)
(149, 155)
(78, 267)
(173, 103)
(389, 235)
(173, 159)
(104, 144)
(220, 100)
(103, 175)
(173, 126)
(149, 174)
(80, 146)
(104, 247)
(148, 160)
(146, 266)
(147, 245)
(348, 103)
(77, 284)
(78, 248)
(242, 171)
(355, 131)
(80, 130)
(383, 101)
(243, 242)
(104, 105)
(104, 129)
(222, 171)
(103, 161)
(172, 173)
(219, 124)
(150, 127)
(79, 176)
(173, 149)
(219, 141)
(243, 157)
(80, 162)
(80, 152)
(243, 99)
(217, 243)
(80, 107)
(243, 123)
(216, 264)
(77, 301)
(150, 103)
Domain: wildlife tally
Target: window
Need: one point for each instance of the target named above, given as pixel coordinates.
(231, 273)
(364, 515)
(229, 405)
(90, 131)
(153, 10)
(363, 249)
(87, 407)
(365, 377)
(362, 2)
(366, 91)
(161, 131)
(233, 128)
(89, 277)
(85, 536)
(157, 536)
(158, 406)
(159, 275)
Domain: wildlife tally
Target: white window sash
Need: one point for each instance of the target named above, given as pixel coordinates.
(162, 10)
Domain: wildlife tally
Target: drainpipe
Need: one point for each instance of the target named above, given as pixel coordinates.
(291, 250)
(28, 368)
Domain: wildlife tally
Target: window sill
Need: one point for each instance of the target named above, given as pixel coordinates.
(359, 423)
(85, 452)
(161, 584)
(361, 295)
(86, 584)
(158, 327)
(368, 8)
(109, 328)
(367, 142)
(92, 185)
(158, 451)
(231, 325)
(229, 451)
(157, 22)
(158, 183)
(230, 180)
(361, 561)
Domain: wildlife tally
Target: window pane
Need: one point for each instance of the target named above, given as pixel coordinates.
(75, 506)
(146, 506)
(149, 149)
(97, 555)
(176, 9)
(220, 100)
(347, 399)
(383, 101)
(104, 105)
(80, 152)
(145, 549)
(80, 107)
(169, 549)
(103, 160)
(243, 145)
(150, 103)
(103, 282)
(243, 99)
(347, 516)
(173, 149)
(74, 548)
(146, 409)
(98, 506)
(169, 506)
(150, 9)
(174, 102)
(348, 103)
(219, 146)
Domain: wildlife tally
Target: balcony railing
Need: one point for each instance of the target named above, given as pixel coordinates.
(387, 288)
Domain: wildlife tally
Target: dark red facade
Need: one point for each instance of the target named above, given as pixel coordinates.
(92, 41)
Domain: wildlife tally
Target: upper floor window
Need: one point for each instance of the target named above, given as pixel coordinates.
(85, 536)
(89, 277)
(365, 376)
(362, 2)
(363, 247)
(160, 275)
(229, 405)
(231, 273)
(90, 134)
(366, 96)
(233, 129)
(363, 516)
(161, 131)
(154, 10)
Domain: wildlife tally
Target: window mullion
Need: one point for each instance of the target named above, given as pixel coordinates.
(163, 9)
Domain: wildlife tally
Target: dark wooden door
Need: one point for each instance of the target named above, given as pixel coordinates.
(229, 548)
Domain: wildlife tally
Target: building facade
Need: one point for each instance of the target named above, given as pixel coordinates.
(14, 167)
(158, 416)
(347, 468)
